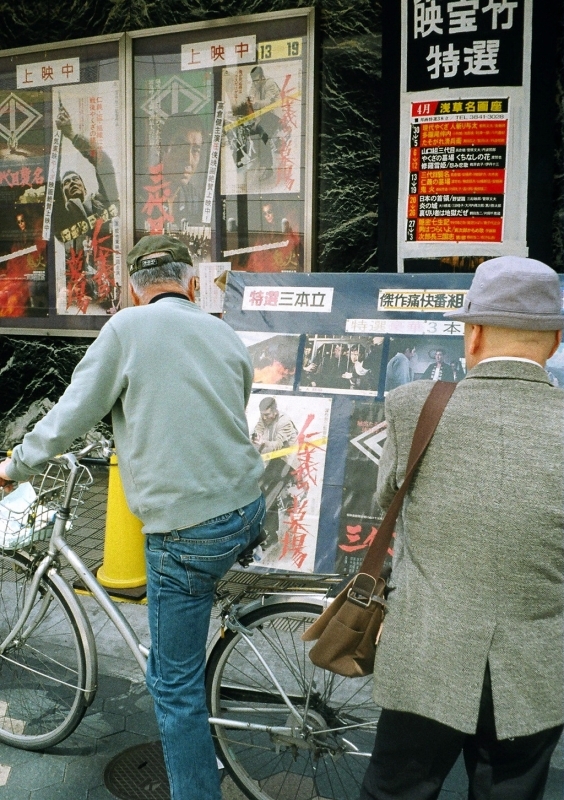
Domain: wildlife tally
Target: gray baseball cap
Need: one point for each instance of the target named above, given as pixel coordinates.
(513, 292)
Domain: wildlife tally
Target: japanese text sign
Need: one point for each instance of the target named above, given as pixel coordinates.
(288, 298)
(219, 53)
(48, 73)
(420, 300)
(463, 43)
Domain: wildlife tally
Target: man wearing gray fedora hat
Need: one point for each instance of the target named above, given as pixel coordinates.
(471, 658)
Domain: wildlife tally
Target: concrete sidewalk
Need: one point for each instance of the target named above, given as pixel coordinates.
(121, 717)
(122, 714)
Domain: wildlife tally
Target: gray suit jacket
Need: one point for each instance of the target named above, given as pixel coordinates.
(479, 562)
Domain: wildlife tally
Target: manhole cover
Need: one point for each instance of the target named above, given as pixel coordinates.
(138, 774)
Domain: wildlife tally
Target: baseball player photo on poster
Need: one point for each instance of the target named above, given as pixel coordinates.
(291, 435)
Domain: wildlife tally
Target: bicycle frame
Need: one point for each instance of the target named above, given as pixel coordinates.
(48, 565)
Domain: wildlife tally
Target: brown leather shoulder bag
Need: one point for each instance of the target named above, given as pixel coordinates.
(348, 631)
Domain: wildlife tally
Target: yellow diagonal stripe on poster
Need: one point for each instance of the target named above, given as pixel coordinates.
(260, 112)
(287, 451)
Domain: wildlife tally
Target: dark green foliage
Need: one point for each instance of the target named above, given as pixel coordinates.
(349, 150)
(42, 21)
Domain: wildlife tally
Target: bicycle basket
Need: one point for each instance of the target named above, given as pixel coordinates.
(28, 513)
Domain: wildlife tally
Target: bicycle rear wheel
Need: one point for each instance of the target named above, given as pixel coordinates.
(323, 759)
(42, 672)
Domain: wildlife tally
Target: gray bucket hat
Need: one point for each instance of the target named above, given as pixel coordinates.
(513, 292)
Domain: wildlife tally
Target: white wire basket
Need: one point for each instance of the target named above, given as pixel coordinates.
(27, 514)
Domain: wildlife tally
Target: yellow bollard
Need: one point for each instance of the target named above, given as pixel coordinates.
(124, 558)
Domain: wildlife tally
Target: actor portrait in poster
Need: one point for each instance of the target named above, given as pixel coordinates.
(85, 215)
(274, 357)
(174, 121)
(291, 435)
(270, 227)
(261, 150)
(434, 358)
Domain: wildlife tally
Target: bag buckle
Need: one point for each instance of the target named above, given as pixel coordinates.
(362, 590)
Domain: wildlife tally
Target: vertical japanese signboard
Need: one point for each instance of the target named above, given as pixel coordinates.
(222, 124)
(60, 165)
(464, 128)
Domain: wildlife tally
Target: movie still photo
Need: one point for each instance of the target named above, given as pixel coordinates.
(342, 364)
(274, 357)
(412, 358)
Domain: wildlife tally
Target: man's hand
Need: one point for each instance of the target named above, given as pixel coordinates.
(63, 123)
(4, 480)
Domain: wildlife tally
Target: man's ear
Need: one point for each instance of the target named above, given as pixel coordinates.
(134, 296)
(475, 339)
(557, 340)
(191, 291)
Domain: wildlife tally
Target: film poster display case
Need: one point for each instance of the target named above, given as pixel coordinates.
(61, 187)
(202, 131)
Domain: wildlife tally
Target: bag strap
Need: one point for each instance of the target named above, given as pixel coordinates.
(429, 417)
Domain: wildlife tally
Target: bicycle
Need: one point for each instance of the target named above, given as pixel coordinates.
(282, 727)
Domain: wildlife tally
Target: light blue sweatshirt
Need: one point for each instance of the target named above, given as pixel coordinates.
(176, 381)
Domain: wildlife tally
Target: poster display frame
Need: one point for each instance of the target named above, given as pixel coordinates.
(230, 209)
(395, 324)
(74, 323)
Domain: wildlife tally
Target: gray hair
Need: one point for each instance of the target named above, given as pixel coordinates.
(172, 272)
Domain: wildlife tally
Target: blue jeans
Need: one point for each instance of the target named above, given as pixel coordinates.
(182, 569)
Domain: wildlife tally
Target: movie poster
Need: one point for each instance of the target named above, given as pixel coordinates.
(555, 367)
(435, 358)
(85, 213)
(274, 357)
(360, 512)
(173, 157)
(23, 159)
(342, 364)
(290, 433)
(271, 236)
(261, 150)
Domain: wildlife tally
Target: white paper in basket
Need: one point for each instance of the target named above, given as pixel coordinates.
(14, 508)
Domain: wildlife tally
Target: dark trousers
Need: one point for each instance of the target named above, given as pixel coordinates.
(413, 755)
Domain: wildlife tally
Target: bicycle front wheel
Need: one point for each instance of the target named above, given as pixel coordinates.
(42, 672)
(319, 754)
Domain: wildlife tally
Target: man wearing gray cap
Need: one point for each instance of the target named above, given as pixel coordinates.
(471, 654)
(176, 381)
